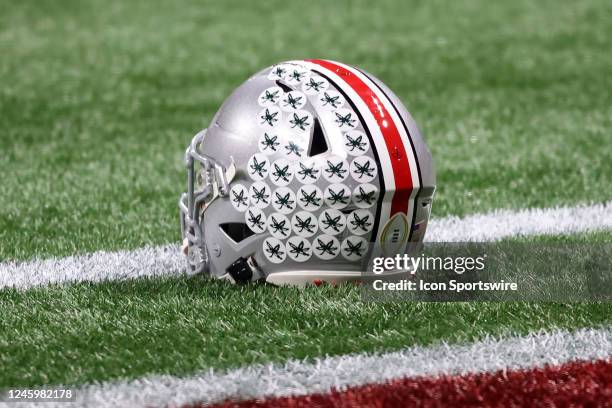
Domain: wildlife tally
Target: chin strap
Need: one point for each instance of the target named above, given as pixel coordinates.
(225, 177)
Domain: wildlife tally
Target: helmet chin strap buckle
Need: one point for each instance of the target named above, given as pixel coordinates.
(244, 270)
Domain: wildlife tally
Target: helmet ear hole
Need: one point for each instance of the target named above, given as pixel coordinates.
(318, 143)
(236, 231)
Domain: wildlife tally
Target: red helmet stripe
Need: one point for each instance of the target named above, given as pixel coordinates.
(398, 154)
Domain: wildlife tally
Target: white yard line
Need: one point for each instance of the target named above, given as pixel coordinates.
(321, 375)
(95, 267)
(506, 223)
(167, 260)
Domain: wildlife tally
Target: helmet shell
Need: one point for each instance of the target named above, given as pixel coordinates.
(332, 155)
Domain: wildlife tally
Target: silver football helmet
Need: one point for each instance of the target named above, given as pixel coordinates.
(309, 169)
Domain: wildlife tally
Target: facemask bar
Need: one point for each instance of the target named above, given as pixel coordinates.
(215, 183)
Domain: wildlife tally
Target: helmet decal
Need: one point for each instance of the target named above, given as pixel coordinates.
(365, 195)
(314, 85)
(363, 169)
(255, 219)
(330, 100)
(353, 248)
(299, 249)
(278, 72)
(336, 169)
(310, 198)
(282, 172)
(356, 143)
(239, 197)
(300, 121)
(304, 224)
(307, 172)
(332, 221)
(258, 167)
(295, 75)
(294, 150)
(345, 119)
(274, 250)
(269, 143)
(360, 222)
(270, 117)
(270, 96)
(283, 200)
(337, 196)
(326, 247)
(260, 194)
(278, 226)
(292, 101)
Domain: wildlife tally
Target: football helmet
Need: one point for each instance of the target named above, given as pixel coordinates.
(308, 170)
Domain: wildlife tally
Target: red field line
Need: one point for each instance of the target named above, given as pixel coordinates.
(576, 384)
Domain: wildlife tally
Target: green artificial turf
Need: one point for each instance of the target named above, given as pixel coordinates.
(98, 100)
(596, 238)
(95, 332)
(178, 325)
